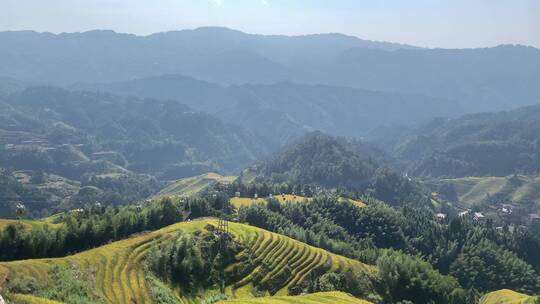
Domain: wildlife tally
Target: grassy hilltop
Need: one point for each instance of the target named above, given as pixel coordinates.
(510, 189)
(319, 297)
(193, 185)
(506, 296)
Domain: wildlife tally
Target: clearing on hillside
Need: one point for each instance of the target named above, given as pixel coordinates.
(474, 190)
(192, 185)
(332, 297)
(29, 299)
(26, 223)
(506, 296)
(238, 202)
(271, 263)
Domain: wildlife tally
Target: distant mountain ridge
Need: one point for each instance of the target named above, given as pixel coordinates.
(197, 52)
(481, 79)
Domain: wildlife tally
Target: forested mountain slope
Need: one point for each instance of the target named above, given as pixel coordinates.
(321, 160)
(485, 144)
(63, 149)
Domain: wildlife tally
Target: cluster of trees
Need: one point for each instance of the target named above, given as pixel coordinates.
(463, 257)
(192, 262)
(97, 225)
(319, 161)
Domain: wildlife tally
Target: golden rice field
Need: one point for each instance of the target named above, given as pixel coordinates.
(25, 223)
(238, 202)
(278, 262)
(357, 203)
(473, 190)
(28, 299)
(193, 185)
(506, 296)
(332, 297)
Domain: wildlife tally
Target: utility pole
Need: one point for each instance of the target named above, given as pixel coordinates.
(223, 233)
(20, 210)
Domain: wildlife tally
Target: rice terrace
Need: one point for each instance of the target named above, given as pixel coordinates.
(120, 277)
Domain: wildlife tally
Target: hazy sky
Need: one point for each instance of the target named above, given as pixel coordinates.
(431, 23)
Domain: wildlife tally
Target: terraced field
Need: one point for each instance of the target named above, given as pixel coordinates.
(28, 299)
(26, 223)
(277, 263)
(506, 296)
(357, 203)
(238, 202)
(473, 190)
(192, 185)
(280, 262)
(333, 297)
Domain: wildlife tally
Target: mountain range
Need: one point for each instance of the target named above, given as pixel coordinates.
(495, 78)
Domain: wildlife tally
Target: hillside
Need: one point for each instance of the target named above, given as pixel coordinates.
(506, 296)
(192, 185)
(320, 297)
(486, 144)
(321, 160)
(26, 223)
(470, 191)
(62, 149)
(120, 277)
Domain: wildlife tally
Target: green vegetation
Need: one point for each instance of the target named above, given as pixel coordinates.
(418, 257)
(61, 150)
(319, 160)
(96, 225)
(474, 253)
(70, 286)
(269, 263)
(485, 144)
(30, 224)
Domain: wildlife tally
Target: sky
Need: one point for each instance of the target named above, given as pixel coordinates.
(426, 23)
